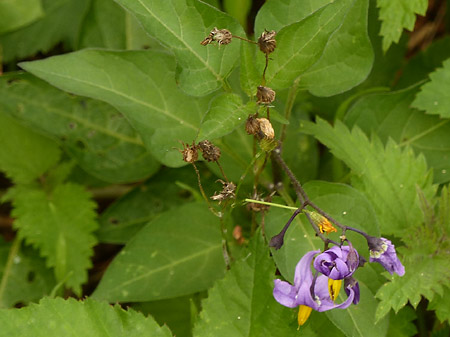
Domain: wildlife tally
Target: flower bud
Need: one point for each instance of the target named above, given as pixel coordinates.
(210, 152)
(265, 95)
(267, 42)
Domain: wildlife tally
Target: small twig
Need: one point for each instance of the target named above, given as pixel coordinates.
(265, 68)
(222, 171)
(202, 191)
(244, 39)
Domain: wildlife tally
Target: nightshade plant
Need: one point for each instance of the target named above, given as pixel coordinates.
(224, 168)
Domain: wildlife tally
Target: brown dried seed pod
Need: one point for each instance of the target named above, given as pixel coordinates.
(227, 192)
(221, 36)
(189, 152)
(265, 95)
(252, 126)
(267, 42)
(210, 152)
(266, 129)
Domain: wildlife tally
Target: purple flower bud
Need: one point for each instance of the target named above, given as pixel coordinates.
(337, 262)
(383, 251)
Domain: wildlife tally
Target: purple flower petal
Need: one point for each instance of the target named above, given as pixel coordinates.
(383, 251)
(285, 294)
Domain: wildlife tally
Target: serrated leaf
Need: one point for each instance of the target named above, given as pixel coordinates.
(178, 253)
(60, 224)
(24, 276)
(340, 68)
(181, 26)
(17, 13)
(441, 304)
(61, 23)
(388, 175)
(425, 276)
(59, 317)
(24, 154)
(226, 114)
(94, 133)
(403, 323)
(433, 96)
(144, 90)
(389, 115)
(397, 15)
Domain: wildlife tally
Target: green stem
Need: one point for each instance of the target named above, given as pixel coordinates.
(292, 95)
(270, 204)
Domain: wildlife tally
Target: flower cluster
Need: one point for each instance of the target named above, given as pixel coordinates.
(333, 266)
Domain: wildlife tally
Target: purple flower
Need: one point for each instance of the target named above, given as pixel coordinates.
(383, 251)
(337, 262)
(307, 291)
(351, 283)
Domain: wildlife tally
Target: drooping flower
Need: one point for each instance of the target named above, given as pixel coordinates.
(337, 262)
(351, 283)
(308, 291)
(383, 251)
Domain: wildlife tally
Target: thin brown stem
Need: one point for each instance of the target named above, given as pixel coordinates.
(202, 191)
(222, 171)
(244, 39)
(265, 68)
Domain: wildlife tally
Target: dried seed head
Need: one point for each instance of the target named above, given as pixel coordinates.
(190, 153)
(265, 128)
(252, 126)
(209, 151)
(267, 42)
(265, 95)
(256, 207)
(227, 192)
(221, 36)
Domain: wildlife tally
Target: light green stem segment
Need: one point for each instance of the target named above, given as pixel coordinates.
(270, 204)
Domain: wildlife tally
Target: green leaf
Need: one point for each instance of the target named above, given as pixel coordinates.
(274, 15)
(181, 26)
(397, 15)
(130, 213)
(177, 253)
(441, 304)
(144, 90)
(389, 115)
(18, 13)
(388, 175)
(226, 114)
(425, 276)
(95, 134)
(60, 224)
(341, 68)
(24, 155)
(404, 323)
(71, 318)
(24, 277)
(249, 76)
(302, 44)
(433, 96)
(61, 23)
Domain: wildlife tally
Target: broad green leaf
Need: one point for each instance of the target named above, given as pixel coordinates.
(177, 253)
(342, 202)
(433, 96)
(181, 26)
(341, 68)
(104, 26)
(94, 133)
(402, 323)
(301, 45)
(24, 154)
(24, 277)
(143, 90)
(226, 114)
(389, 115)
(397, 15)
(60, 224)
(18, 13)
(249, 76)
(388, 175)
(425, 276)
(441, 304)
(276, 14)
(238, 9)
(71, 318)
(61, 23)
(130, 213)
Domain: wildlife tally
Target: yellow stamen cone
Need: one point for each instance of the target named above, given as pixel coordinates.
(303, 314)
(334, 286)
